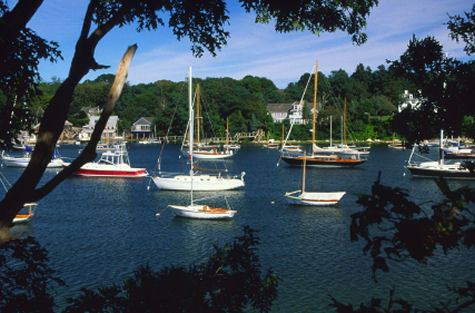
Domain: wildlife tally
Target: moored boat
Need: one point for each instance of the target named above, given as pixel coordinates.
(303, 197)
(25, 217)
(23, 161)
(457, 170)
(321, 157)
(198, 211)
(113, 163)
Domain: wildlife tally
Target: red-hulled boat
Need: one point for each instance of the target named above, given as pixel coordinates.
(113, 163)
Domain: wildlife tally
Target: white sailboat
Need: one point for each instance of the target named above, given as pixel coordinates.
(457, 170)
(200, 181)
(201, 152)
(23, 161)
(193, 210)
(303, 197)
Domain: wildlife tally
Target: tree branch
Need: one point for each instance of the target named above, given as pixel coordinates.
(88, 154)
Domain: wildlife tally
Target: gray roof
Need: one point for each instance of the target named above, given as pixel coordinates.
(278, 107)
(144, 121)
(111, 122)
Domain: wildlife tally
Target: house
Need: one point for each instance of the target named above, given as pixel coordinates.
(142, 128)
(68, 134)
(109, 132)
(282, 111)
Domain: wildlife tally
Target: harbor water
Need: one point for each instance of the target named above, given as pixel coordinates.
(98, 231)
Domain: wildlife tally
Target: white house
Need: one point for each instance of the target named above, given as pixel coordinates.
(109, 132)
(283, 111)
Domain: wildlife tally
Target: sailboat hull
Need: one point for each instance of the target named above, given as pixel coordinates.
(433, 169)
(314, 198)
(210, 155)
(200, 182)
(202, 212)
(322, 161)
(23, 162)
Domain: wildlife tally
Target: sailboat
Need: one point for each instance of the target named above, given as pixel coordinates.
(290, 148)
(193, 210)
(303, 197)
(22, 161)
(229, 146)
(201, 181)
(458, 170)
(203, 152)
(343, 148)
(320, 159)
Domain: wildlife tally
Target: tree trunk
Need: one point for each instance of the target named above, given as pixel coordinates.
(51, 127)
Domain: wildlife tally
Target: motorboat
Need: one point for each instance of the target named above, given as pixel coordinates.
(112, 163)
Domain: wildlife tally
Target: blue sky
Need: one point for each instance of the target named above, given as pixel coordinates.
(252, 49)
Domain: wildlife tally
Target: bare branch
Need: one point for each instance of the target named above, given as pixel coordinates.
(88, 154)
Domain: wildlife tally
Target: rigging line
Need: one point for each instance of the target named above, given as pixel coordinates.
(166, 139)
(293, 121)
(340, 109)
(205, 108)
(5, 183)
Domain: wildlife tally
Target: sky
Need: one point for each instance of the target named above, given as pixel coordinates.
(252, 49)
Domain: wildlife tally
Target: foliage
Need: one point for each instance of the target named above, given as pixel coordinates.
(445, 91)
(22, 50)
(315, 16)
(396, 229)
(26, 280)
(464, 29)
(229, 281)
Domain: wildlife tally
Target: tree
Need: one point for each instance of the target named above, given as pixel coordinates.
(19, 58)
(464, 29)
(444, 85)
(230, 280)
(395, 229)
(201, 21)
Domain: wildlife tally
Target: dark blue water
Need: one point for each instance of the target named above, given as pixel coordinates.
(97, 231)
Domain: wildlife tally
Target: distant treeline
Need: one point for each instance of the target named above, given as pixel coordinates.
(372, 98)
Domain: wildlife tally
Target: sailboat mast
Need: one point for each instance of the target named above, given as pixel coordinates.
(344, 123)
(191, 117)
(282, 138)
(303, 175)
(314, 106)
(198, 113)
(331, 134)
(441, 145)
(227, 132)
(341, 129)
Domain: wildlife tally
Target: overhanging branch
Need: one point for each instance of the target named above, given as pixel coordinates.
(89, 152)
